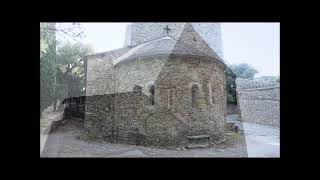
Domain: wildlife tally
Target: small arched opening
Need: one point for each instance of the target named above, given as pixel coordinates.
(194, 95)
(152, 91)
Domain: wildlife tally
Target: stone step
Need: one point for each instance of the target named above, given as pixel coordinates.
(230, 126)
(198, 141)
(234, 127)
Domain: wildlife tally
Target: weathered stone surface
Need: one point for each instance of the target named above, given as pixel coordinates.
(259, 102)
(138, 33)
(127, 116)
(120, 107)
(198, 141)
(243, 84)
(100, 72)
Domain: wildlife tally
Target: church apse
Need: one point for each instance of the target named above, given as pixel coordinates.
(158, 92)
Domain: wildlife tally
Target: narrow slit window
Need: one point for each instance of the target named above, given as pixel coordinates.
(210, 93)
(194, 95)
(152, 89)
(169, 98)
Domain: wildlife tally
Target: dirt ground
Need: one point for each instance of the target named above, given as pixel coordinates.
(64, 142)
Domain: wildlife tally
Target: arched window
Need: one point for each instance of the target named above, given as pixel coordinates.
(169, 98)
(151, 91)
(210, 93)
(194, 95)
(137, 88)
(212, 96)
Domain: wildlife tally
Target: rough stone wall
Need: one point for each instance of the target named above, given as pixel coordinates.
(141, 72)
(118, 110)
(130, 128)
(176, 79)
(259, 105)
(133, 119)
(100, 72)
(138, 33)
(243, 84)
(100, 77)
(173, 76)
(99, 116)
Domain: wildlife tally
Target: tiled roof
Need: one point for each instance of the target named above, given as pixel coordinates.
(164, 46)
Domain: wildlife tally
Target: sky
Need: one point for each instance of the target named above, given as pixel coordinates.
(257, 44)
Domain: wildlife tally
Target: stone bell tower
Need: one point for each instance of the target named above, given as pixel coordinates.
(138, 33)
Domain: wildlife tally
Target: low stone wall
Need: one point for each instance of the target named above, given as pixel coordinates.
(243, 84)
(260, 105)
(232, 109)
(125, 118)
(129, 118)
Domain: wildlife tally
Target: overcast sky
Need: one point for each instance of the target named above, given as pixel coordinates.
(257, 44)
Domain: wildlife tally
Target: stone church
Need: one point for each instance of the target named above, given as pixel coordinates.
(164, 87)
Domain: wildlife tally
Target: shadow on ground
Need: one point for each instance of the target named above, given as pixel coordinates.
(64, 142)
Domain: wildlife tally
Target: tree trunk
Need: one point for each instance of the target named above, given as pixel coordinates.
(55, 104)
(54, 95)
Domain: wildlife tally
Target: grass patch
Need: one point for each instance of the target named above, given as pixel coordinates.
(44, 123)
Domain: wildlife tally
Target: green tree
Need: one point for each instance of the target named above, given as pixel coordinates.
(48, 62)
(244, 70)
(71, 75)
(230, 86)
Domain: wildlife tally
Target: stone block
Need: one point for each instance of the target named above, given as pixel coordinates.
(198, 141)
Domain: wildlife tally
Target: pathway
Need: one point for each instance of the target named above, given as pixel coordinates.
(261, 140)
(258, 141)
(63, 143)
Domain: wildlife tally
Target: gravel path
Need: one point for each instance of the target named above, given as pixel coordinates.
(261, 140)
(63, 143)
(258, 141)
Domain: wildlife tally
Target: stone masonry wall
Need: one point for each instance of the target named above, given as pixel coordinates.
(100, 72)
(128, 116)
(141, 72)
(177, 78)
(142, 32)
(260, 105)
(99, 116)
(243, 84)
(130, 120)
